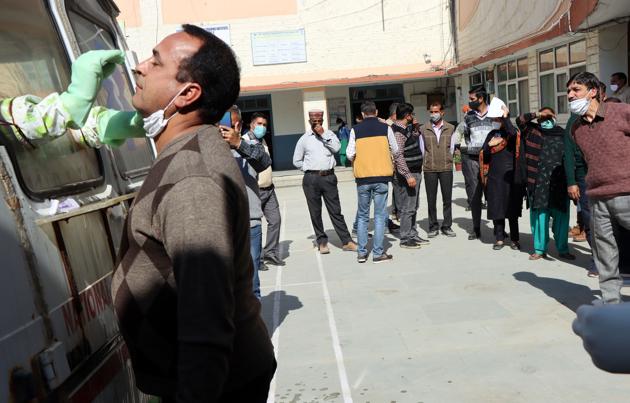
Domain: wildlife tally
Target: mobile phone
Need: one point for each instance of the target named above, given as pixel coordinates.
(226, 120)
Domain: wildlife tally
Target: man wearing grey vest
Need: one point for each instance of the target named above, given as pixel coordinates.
(408, 175)
(439, 145)
(472, 134)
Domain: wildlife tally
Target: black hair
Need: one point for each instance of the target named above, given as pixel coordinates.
(589, 80)
(547, 108)
(480, 92)
(257, 115)
(215, 69)
(436, 103)
(621, 75)
(392, 108)
(368, 107)
(613, 100)
(403, 110)
(340, 121)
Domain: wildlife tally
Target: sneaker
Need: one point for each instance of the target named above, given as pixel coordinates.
(263, 267)
(392, 227)
(362, 258)
(323, 248)
(449, 232)
(515, 245)
(421, 241)
(498, 245)
(410, 244)
(433, 234)
(273, 260)
(349, 247)
(383, 258)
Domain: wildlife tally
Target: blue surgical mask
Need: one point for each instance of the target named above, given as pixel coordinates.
(260, 131)
(548, 124)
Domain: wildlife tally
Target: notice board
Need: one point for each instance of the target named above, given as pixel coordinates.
(278, 47)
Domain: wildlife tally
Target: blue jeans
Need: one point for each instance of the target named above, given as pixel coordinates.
(255, 248)
(365, 194)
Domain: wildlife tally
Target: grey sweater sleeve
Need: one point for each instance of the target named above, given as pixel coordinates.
(195, 222)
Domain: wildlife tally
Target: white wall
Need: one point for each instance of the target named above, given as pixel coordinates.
(613, 52)
(288, 112)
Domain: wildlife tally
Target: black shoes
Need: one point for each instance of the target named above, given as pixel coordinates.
(421, 241)
(362, 258)
(273, 260)
(448, 232)
(433, 234)
(474, 235)
(410, 244)
(498, 245)
(383, 258)
(515, 245)
(566, 256)
(263, 267)
(392, 227)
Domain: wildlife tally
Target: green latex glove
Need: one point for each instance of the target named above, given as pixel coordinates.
(114, 127)
(88, 73)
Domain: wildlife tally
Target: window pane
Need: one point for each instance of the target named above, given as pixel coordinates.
(523, 96)
(561, 82)
(134, 157)
(576, 70)
(36, 64)
(577, 52)
(475, 79)
(502, 72)
(512, 70)
(502, 92)
(562, 104)
(512, 92)
(547, 90)
(513, 109)
(522, 67)
(546, 60)
(562, 58)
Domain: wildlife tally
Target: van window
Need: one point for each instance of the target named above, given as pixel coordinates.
(32, 61)
(134, 157)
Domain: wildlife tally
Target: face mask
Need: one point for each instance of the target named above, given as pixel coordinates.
(260, 131)
(579, 106)
(436, 117)
(155, 123)
(496, 125)
(474, 104)
(614, 87)
(548, 124)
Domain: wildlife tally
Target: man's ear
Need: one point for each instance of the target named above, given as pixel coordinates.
(189, 96)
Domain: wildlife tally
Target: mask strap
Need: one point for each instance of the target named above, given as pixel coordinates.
(173, 100)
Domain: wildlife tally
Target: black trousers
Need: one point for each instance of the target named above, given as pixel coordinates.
(445, 180)
(474, 188)
(255, 391)
(316, 188)
(499, 229)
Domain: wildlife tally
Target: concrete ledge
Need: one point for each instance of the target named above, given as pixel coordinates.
(294, 177)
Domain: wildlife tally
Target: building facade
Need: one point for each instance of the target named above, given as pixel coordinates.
(529, 50)
(296, 55)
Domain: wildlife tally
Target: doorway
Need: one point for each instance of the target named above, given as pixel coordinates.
(382, 95)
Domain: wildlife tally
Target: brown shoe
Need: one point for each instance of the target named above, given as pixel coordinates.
(575, 231)
(580, 237)
(350, 247)
(323, 249)
(536, 256)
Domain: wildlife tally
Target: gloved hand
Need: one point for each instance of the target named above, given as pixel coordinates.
(605, 330)
(114, 127)
(88, 72)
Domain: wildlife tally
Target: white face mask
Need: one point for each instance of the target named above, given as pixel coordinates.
(579, 106)
(155, 123)
(496, 125)
(614, 87)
